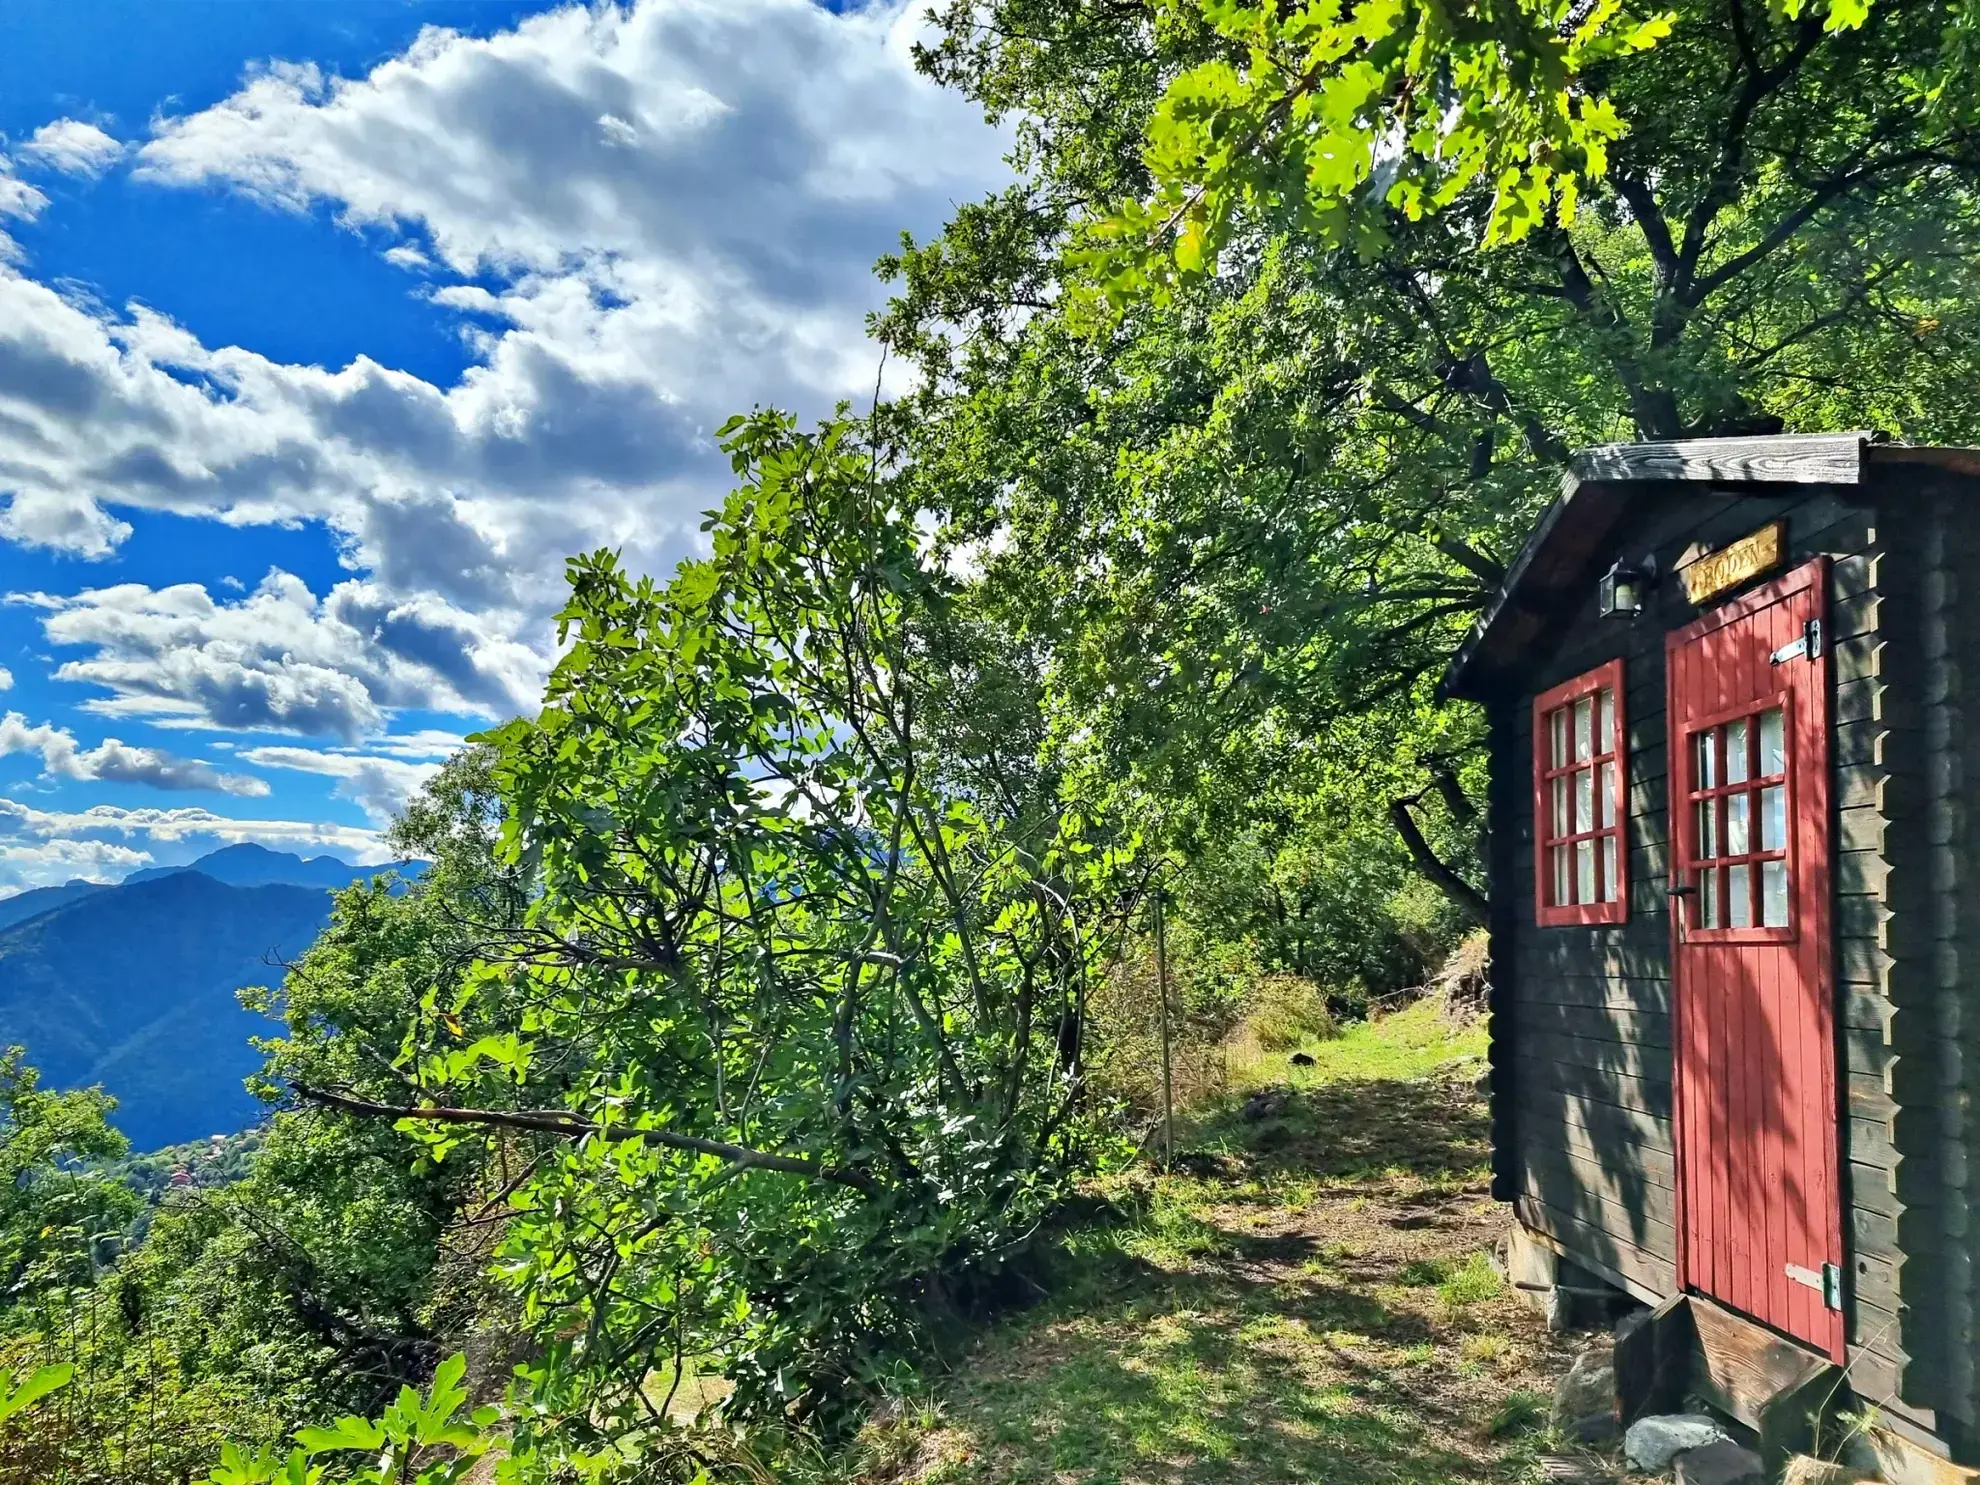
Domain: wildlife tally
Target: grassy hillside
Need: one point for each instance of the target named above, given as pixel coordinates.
(1308, 1297)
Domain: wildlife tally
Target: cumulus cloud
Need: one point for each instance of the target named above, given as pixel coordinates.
(670, 212)
(643, 218)
(20, 201)
(50, 862)
(73, 147)
(379, 786)
(405, 255)
(23, 824)
(115, 762)
(282, 659)
(6, 678)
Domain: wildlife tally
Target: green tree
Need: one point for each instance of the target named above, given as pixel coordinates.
(799, 992)
(60, 1218)
(1244, 518)
(339, 1269)
(336, 1269)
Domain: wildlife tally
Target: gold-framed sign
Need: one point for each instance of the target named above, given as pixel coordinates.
(1712, 574)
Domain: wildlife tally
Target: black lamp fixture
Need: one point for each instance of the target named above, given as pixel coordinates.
(1624, 587)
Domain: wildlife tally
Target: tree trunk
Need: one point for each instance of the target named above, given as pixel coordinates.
(1470, 901)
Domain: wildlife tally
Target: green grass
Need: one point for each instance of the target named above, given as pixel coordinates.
(1266, 1314)
(1413, 1043)
(1477, 1280)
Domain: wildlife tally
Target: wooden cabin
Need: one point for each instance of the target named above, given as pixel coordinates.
(1733, 695)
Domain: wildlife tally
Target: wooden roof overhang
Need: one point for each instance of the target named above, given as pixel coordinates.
(1606, 486)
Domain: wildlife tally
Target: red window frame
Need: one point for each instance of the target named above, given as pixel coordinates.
(1751, 789)
(1612, 749)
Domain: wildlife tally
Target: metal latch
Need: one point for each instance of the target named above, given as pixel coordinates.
(1810, 644)
(1828, 1281)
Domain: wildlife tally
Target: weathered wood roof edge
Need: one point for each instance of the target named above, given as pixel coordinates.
(1600, 480)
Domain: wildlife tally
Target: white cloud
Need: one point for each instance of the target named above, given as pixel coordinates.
(115, 762)
(23, 824)
(429, 743)
(6, 679)
(644, 217)
(708, 249)
(379, 786)
(71, 146)
(51, 862)
(282, 659)
(18, 200)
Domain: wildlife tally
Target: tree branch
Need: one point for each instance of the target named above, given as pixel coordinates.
(1468, 898)
(1469, 558)
(1720, 190)
(567, 1125)
(1819, 196)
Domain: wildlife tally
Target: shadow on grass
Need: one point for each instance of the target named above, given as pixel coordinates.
(1430, 1127)
(1195, 1396)
(1177, 1346)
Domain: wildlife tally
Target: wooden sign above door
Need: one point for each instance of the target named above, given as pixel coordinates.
(1707, 576)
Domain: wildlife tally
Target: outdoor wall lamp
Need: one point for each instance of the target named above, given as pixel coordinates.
(1624, 587)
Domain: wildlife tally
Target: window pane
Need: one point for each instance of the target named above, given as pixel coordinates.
(1584, 800)
(1773, 818)
(1562, 897)
(1737, 809)
(1739, 897)
(1560, 822)
(1584, 727)
(1773, 894)
(1607, 791)
(1584, 871)
(1708, 828)
(1707, 762)
(1605, 740)
(1736, 739)
(1557, 726)
(1608, 868)
(1773, 743)
(1708, 899)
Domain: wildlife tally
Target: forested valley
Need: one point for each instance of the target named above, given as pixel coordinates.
(777, 993)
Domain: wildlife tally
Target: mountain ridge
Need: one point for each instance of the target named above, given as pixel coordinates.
(248, 864)
(133, 985)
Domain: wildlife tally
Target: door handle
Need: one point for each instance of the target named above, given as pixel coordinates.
(1677, 895)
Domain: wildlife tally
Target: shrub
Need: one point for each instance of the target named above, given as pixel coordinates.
(1124, 1051)
(1287, 1012)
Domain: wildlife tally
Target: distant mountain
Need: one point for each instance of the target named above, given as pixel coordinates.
(250, 865)
(24, 905)
(133, 987)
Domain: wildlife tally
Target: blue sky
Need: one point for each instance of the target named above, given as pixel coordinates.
(328, 327)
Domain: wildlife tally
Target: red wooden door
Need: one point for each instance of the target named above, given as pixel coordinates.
(1759, 1203)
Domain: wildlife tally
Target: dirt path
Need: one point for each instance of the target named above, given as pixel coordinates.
(1314, 1302)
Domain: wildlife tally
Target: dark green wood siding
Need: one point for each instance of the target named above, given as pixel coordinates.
(1582, 1030)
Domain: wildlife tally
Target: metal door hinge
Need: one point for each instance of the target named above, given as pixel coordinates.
(1828, 1280)
(1810, 644)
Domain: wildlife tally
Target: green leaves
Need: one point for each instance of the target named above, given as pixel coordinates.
(418, 1441)
(265, 1466)
(1840, 15)
(1323, 118)
(800, 958)
(18, 1397)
